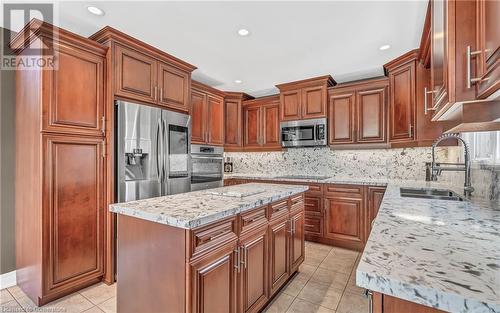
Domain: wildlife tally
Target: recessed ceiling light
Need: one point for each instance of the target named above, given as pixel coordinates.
(95, 10)
(384, 47)
(243, 32)
(238, 81)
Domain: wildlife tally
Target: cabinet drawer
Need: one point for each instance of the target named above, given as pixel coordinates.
(278, 209)
(347, 191)
(315, 189)
(313, 205)
(313, 225)
(253, 219)
(297, 202)
(212, 235)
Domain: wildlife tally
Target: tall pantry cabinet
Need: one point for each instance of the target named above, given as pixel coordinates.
(60, 180)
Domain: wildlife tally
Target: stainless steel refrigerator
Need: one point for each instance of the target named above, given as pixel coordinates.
(153, 152)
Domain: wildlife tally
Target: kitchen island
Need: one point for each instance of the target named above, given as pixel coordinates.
(227, 249)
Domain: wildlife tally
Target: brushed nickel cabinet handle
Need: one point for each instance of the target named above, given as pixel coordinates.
(155, 92)
(238, 260)
(468, 56)
(103, 125)
(410, 130)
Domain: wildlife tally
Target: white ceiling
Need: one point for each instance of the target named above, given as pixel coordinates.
(288, 41)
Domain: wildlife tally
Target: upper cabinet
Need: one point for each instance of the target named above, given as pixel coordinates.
(233, 125)
(145, 74)
(488, 46)
(261, 124)
(464, 57)
(304, 99)
(357, 112)
(207, 115)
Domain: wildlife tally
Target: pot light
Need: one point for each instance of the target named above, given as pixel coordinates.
(243, 32)
(238, 81)
(95, 10)
(384, 47)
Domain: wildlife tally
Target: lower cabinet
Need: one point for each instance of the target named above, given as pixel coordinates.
(344, 222)
(214, 281)
(381, 303)
(278, 253)
(297, 250)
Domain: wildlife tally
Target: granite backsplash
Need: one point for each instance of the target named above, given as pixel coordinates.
(404, 163)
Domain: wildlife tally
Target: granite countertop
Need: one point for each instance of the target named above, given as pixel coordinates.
(443, 254)
(193, 209)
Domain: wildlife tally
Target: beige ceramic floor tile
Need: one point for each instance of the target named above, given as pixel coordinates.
(307, 270)
(352, 303)
(295, 285)
(99, 293)
(22, 298)
(11, 306)
(321, 294)
(74, 303)
(108, 306)
(334, 279)
(280, 303)
(316, 253)
(94, 309)
(335, 263)
(301, 306)
(318, 246)
(351, 285)
(345, 252)
(5, 296)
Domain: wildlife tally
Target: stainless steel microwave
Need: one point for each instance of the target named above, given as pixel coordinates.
(304, 133)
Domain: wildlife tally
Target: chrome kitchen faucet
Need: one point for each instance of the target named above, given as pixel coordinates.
(436, 169)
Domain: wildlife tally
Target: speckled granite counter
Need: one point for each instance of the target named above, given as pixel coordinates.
(193, 209)
(443, 254)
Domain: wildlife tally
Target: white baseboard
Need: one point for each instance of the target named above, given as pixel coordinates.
(8, 280)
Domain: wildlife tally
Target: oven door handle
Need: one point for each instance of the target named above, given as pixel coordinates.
(206, 157)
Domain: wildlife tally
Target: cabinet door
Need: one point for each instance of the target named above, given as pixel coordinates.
(375, 196)
(254, 271)
(174, 87)
(215, 129)
(270, 125)
(297, 241)
(253, 126)
(313, 102)
(344, 219)
(439, 52)
(341, 118)
(290, 105)
(402, 103)
(488, 42)
(278, 253)
(74, 92)
(371, 115)
(73, 182)
(198, 117)
(214, 282)
(136, 75)
(232, 124)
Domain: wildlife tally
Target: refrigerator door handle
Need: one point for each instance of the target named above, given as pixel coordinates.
(164, 153)
(158, 152)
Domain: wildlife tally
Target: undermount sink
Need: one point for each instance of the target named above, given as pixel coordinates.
(429, 193)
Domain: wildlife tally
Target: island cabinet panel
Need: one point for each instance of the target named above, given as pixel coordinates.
(135, 74)
(304, 99)
(375, 196)
(74, 93)
(297, 240)
(207, 115)
(214, 280)
(278, 247)
(73, 177)
(254, 269)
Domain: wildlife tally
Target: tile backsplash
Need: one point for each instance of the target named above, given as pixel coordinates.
(404, 163)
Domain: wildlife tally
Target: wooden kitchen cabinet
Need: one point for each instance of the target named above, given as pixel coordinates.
(297, 247)
(233, 120)
(345, 214)
(207, 115)
(60, 173)
(146, 74)
(375, 196)
(382, 303)
(357, 113)
(278, 250)
(261, 124)
(488, 45)
(304, 99)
